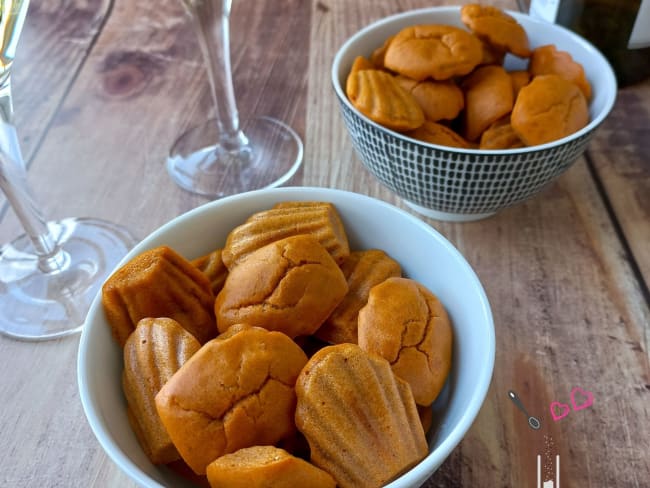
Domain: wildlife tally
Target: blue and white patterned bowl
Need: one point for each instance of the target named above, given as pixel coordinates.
(449, 183)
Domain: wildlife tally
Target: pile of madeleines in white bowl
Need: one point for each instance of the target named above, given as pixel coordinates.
(287, 337)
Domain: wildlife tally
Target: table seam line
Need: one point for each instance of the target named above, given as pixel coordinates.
(618, 229)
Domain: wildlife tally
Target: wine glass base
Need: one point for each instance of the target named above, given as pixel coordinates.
(272, 156)
(39, 306)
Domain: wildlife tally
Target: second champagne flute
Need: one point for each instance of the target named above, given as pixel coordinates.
(220, 157)
(50, 275)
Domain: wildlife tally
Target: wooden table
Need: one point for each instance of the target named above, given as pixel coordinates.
(103, 87)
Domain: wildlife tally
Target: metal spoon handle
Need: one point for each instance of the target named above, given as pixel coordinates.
(513, 396)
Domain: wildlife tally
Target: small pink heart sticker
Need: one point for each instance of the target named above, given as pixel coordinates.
(581, 399)
(563, 408)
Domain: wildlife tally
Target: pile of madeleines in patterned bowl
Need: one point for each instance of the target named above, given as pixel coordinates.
(464, 111)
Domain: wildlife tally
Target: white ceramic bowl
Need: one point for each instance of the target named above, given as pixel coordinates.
(424, 255)
(449, 183)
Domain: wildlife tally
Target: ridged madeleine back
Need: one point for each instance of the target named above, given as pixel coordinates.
(361, 421)
(211, 265)
(152, 354)
(159, 283)
(289, 219)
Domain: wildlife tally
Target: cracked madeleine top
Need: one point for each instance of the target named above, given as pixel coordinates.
(497, 28)
(291, 285)
(549, 108)
(436, 51)
(235, 392)
(407, 325)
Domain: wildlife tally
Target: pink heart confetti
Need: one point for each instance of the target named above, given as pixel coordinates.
(581, 399)
(563, 408)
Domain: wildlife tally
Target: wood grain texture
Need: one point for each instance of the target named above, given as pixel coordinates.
(51, 50)
(566, 272)
(557, 315)
(142, 84)
(621, 158)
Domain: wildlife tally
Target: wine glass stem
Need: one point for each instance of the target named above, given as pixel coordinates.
(6, 102)
(13, 182)
(212, 22)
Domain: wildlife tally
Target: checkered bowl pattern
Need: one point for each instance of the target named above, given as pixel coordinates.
(455, 182)
(467, 184)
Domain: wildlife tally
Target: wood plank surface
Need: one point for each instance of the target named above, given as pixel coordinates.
(621, 158)
(141, 85)
(51, 50)
(566, 272)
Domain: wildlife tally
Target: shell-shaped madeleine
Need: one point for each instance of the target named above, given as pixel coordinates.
(433, 51)
(439, 100)
(362, 270)
(237, 391)
(548, 108)
(547, 59)
(211, 265)
(407, 325)
(377, 56)
(263, 467)
(152, 354)
(378, 95)
(496, 27)
(291, 285)
(435, 133)
(360, 420)
(287, 219)
(488, 97)
(500, 135)
(159, 283)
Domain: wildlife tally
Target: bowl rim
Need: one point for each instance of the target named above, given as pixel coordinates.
(426, 466)
(607, 73)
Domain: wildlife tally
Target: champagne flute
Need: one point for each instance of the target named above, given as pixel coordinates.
(49, 275)
(221, 158)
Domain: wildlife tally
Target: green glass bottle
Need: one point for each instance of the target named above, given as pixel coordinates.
(620, 29)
